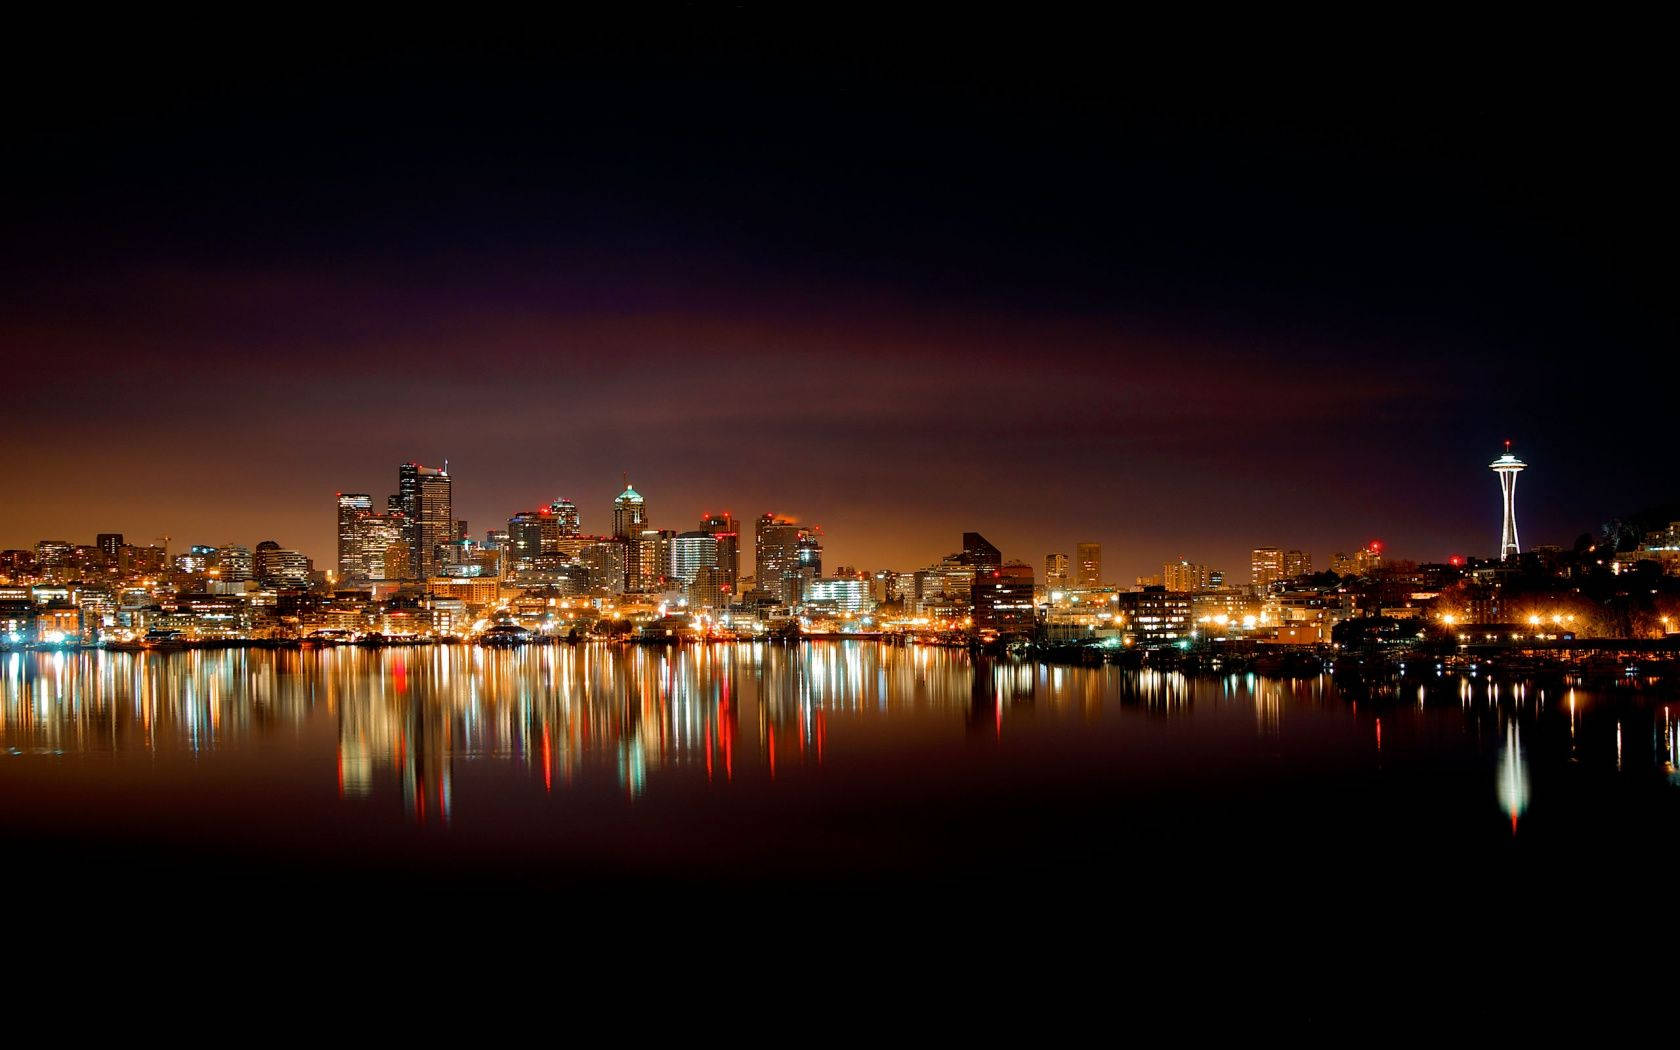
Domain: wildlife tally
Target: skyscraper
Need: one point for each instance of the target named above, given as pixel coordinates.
(690, 552)
(1296, 563)
(381, 534)
(567, 516)
(234, 563)
(425, 497)
(727, 531)
(782, 554)
(1184, 575)
(352, 507)
(110, 543)
(1090, 565)
(1265, 567)
(1055, 572)
(629, 513)
(1003, 600)
(980, 554)
(1508, 467)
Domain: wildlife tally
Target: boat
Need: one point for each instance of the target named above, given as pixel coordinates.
(505, 634)
(164, 640)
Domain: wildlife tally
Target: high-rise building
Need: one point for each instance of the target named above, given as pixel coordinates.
(1056, 572)
(629, 513)
(1003, 600)
(606, 561)
(706, 591)
(381, 534)
(276, 566)
(1296, 563)
(980, 554)
(426, 499)
(234, 564)
(1089, 556)
(1508, 467)
(1265, 567)
(109, 543)
(786, 554)
(1183, 575)
(566, 516)
(727, 531)
(650, 560)
(352, 508)
(690, 551)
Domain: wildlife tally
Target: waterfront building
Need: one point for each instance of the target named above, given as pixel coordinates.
(838, 595)
(1155, 616)
(1002, 600)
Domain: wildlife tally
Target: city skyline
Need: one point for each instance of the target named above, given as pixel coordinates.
(1115, 563)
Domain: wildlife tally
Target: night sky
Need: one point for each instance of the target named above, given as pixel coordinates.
(1054, 286)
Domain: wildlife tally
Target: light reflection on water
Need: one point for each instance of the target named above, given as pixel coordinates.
(411, 723)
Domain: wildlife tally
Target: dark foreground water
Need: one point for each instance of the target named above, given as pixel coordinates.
(888, 800)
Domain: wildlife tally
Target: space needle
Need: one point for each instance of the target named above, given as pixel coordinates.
(1508, 467)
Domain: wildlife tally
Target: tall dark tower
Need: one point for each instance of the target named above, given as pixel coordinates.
(979, 554)
(425, 496)
(727, 531)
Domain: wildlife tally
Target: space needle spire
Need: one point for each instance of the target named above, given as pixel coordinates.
(1508, 467)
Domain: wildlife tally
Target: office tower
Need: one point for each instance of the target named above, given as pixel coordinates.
(1056, 572)
(690, 551)
(234, 564)
(1265, 567)
(650, 560)
(1296, 563)
(461, 534)
(1089, 556)
(606, 562)
(808, 559)
(352, 507)
(781, 555)
(382, 534)
(629, 513)
(275, 566)
(109, 543)
(706, 589)
(727, 531)
(496, 539)
(1183, 575)
(527, 533)
(1508, 467)
(1002, 598)
(566, 516)
(1155, 615)
(426, 499)
(840, 594)
(980, 555)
